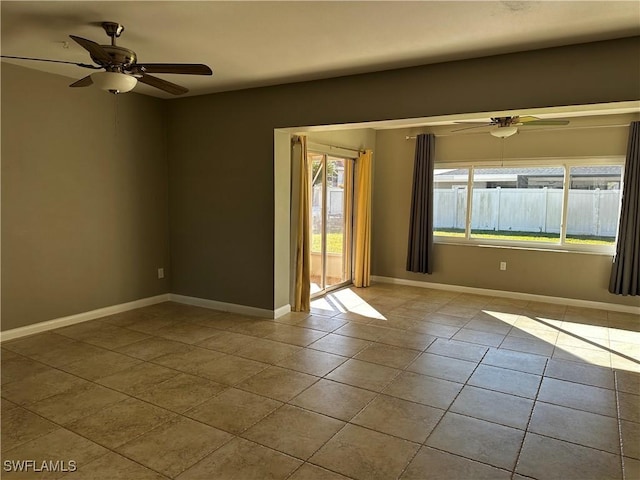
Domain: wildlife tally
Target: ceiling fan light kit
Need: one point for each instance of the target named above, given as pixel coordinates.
(114, 82)
(502, 132)
(122, 72)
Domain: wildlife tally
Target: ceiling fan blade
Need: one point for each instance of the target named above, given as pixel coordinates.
(474, 126)
(462, 122)
(181, 68)
(83, 82)
(84, 65)
(93, 48)
(168, 87)
(527, 119)
(547, 122)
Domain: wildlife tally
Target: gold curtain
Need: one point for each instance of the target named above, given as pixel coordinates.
(362, 246)
(302, 289)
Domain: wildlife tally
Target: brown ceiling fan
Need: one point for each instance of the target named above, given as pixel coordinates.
(121, 70)
(507, 126)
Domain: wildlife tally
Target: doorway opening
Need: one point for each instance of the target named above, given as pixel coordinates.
(331, 222)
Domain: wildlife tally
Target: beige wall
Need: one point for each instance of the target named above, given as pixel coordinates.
(84, 198)
(571, 275)
(221, 146)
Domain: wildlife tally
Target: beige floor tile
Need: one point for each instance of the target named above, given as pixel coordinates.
(42, 385)
(173, 447)
(487, 323)
(577, 341)
(530, 344)
(431, 464)
(584, 355)
(103, 335)
(75, 403)
(387, 355)
(400, 418)
(296, 335)
(324, 324)
(623, 363)
(100, 365)
(580, 373)
(233, 410)
(628, 382)
(193, 360)
(624, 336)
(182, 392)
(242, 460)
(364, 375)
(629, 406)
(312, 472)
(631, 468)
(278, 383)
(363, 332)
(495, 407)
(294, 431)
(448, 320)
(313, 362)
(455, 349)
(506, 381)
(480, 338)
(230, 370)
(563, 460)
(631, 351)
(364, 454)
(16, 368)
(446, 368)
(414, 387)
(186, 332)
(20, 426)
(575, 395)
(267, 351)
(153, 347)
(400, 338)
(340, 345)
(113, 466)
(630, 439)
(434, 329)
(39, 344)
(227, 342)
(576, 426)
(334, 399)
(476, 439)
(459, 311)
(138, 378)
(255, 328)
(58, 445)
(523, 362)
(120, 422)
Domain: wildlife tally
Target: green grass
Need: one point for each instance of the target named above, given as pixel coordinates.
(527, 237)
(334, 242)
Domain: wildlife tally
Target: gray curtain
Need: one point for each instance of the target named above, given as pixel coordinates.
(625, 274)
(420, 251)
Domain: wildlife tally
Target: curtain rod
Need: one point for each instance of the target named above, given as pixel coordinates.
(336, 146)
(581, 127)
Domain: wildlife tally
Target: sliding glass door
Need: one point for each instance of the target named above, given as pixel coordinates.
(331, 221)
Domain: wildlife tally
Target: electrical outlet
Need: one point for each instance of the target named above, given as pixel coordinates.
(503, 265)
(161, 273)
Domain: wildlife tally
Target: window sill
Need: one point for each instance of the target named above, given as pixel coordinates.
(606, 251)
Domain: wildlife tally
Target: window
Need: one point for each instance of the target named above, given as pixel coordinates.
(575, 206)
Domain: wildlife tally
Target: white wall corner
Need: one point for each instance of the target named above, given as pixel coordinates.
(80, 317)
(282, 311)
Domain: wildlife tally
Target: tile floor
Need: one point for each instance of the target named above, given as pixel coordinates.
(380, 383)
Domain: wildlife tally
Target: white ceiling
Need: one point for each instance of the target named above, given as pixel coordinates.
(250, 44)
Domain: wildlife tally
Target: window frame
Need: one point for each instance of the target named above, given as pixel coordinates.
(562, 162)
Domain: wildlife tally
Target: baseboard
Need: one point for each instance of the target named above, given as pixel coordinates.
(282, 311)
(229, 307)
(574, 302)
(80, 317)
